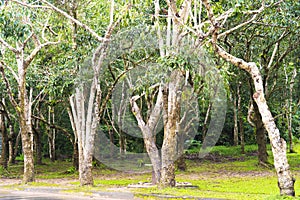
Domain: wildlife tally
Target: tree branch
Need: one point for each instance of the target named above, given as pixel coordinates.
(87, 28)
(29, 59)
(8, 46)
(30, 5)
(66, 132)
(11, 70)
(8, 87)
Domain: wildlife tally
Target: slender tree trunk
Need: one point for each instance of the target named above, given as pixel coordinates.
(38, 144)
(289, 115)
(180, 162)
(11, 159)
(235, 119)
(240, 118)
(122, 143)
(14, 147)
(5, 150)
(260, 137)
(111, 142)
(75, 155)
(75, 141)
(204, 129)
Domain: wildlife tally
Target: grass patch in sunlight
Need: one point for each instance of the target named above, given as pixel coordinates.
(245, 188)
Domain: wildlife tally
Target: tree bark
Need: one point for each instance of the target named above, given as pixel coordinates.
(25, 123)
(13, 147)
(5, 150)
(172, 101)
(261, 142)
(38, 144)
(75, 155)
(51, 133)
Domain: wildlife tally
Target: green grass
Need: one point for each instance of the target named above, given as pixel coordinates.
(229, 188)
(231, 176)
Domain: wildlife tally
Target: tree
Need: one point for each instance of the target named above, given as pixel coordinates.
(285, 178)
(24, 53)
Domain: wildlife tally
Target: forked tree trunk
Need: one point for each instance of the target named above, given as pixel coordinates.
(148, 131)
(85, 122)
(285, 178)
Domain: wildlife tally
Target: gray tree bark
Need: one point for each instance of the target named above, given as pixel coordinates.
(171, 113)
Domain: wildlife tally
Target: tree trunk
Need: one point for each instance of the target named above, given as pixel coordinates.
(204, 129)
(235, 119)
(85, 123)
(85, 166)
(261, 142)
(38, 144)
(51, 142)
(285, 178)
(122, 143)
(148, 131)
(75, 155)
(5, 150)
(289, 116)
(155, 159)
(25, 124)
(172, 100)
(240, 114)
(14, 147)
(260, 137)
(27, 144)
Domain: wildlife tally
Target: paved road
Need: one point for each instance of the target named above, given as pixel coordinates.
(55, 194)
(45, 195)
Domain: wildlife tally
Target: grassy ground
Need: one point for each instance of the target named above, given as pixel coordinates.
(224, 174)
